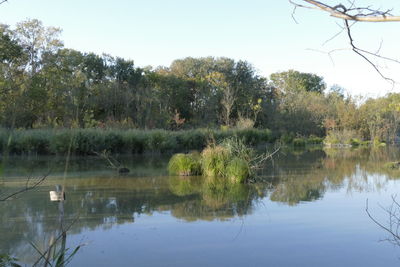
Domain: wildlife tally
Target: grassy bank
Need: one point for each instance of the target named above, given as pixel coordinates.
(85, 141)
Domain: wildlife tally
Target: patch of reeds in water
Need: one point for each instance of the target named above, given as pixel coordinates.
(231, 160)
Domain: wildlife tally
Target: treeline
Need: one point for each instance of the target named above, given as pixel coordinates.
(44, 85)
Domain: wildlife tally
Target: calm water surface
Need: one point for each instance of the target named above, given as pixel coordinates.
(308, 211)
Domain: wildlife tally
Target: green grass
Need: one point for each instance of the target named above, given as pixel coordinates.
(185, 164)
(214, 160)
(238, 170)
(229, 161)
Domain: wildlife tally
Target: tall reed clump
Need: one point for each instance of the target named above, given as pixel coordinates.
(185, 164)
(214, 160)
(231, 160)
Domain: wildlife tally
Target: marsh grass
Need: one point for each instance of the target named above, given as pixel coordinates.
(230, 160)
(214, 159)
(185, 164)
(132, 141)
(238, 170)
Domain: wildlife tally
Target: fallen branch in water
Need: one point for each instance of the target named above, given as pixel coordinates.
(258, 161)
(115, 164)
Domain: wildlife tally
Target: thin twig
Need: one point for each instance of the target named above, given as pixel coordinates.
(27, 187)
(363, 14)
(393, 227)
(360, 51)
(354, 14)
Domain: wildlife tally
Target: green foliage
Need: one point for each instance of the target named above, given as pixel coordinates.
(214, 160)
(43, 85)
(294, 81)
(193, 139)
(87, 141)
(287, 138)
(238, 170)
(378, 143)
(342, 138)
(230, 160)
(315, 140)
(185, 164)
(238, 148)
(355, 142)
(299, 142)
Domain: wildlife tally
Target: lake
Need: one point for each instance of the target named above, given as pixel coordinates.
(309, 209)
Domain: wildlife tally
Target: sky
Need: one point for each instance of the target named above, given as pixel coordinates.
(262, 32)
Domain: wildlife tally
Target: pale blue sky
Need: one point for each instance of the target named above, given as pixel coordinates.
(155, 32)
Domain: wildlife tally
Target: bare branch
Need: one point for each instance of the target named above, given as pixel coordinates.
(26, 188)
(363, 14)
(360, 52)
(393, 224)
(355, 14)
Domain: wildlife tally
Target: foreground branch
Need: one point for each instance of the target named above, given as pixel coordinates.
(392, 227)
(362, 14)
(28, 187)
(355, 14)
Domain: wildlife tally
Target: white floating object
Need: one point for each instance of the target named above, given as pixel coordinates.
(57, 196)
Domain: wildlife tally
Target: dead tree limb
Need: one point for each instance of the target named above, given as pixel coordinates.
(355, 14)
(362, 14)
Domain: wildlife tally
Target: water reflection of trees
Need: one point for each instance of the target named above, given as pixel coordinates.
(105, 201)
(307, 175)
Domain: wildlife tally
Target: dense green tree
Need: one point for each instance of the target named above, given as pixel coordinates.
(294, 81)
